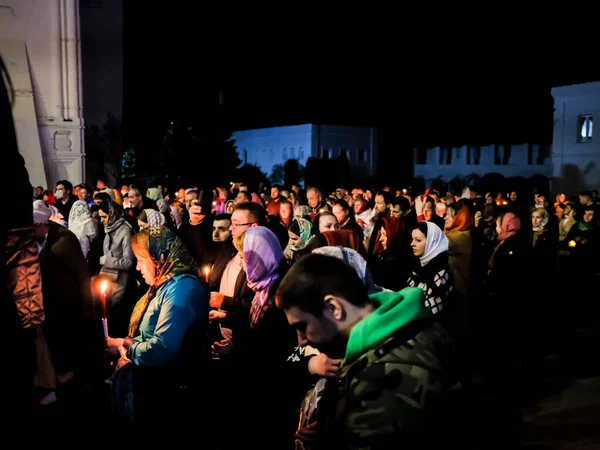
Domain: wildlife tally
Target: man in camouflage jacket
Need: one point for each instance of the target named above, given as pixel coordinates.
(397, 361)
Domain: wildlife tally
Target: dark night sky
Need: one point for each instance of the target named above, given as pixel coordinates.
(416, 97)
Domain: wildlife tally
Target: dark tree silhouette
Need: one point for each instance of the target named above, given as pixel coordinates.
(277, 174)
(313, 172)
(292, 172)
(251, 176)
(203, 155)
(439, 185)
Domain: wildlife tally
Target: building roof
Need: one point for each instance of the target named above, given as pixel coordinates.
(576, 89)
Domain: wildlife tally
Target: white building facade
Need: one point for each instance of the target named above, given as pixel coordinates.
(523, 160)
(572, 162)
(267, 147)
(575, 144)
(40, 45)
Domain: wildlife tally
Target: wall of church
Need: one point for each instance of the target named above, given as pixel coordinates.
(40, 43)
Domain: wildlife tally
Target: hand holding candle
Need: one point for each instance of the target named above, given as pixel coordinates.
(103, 287)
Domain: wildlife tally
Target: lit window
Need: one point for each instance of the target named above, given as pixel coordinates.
(586, 128)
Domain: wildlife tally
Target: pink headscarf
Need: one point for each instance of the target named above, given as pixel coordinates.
(511, 224)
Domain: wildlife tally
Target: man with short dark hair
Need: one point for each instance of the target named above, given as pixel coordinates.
(396, 364)
(85, 194)
(63, 193)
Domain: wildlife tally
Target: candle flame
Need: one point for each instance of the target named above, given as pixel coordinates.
(206, 270)
(103, 286)
(572, 243)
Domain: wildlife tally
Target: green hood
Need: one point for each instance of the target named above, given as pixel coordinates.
(395, 311)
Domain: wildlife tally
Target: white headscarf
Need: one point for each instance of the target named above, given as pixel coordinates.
(82, 225)
(353, 258)
(436, 243)
(41, 212)
(81, 222)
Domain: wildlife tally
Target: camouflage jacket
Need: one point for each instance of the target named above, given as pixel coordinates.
(390, 396)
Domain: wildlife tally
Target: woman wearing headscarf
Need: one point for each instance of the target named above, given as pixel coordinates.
(150, 218)
(118, 263)
(259, 349)
(510, 296)
(83, 226)
(544, 272)
(299, 233)
(459, 222)
(148, 373)
(389, 261)
(431, 272)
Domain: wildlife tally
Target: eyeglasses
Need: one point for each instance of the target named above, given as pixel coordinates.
(237, 225)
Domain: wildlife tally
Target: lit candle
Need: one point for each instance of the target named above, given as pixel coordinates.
(206, 271)
(404, 191)
(572, 243)
(103, 298)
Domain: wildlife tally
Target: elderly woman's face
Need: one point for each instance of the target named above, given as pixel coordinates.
(146, 267)
(428, 211)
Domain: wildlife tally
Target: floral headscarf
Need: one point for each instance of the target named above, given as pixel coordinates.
(171, 258)
(262, 255)
(302, 228)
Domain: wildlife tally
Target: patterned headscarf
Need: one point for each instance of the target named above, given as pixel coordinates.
(171, 258)
(81, 222)
(155, 219)
(302, 228)
(262, 255)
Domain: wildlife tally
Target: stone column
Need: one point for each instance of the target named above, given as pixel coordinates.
(63, 132)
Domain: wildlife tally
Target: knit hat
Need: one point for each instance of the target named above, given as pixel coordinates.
(41, 212)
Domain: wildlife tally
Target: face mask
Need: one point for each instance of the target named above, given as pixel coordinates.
(59, 194)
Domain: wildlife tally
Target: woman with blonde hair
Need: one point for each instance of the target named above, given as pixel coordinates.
(147, 375)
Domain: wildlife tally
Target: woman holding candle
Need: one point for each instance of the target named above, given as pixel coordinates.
(118, 263)
(175, 305)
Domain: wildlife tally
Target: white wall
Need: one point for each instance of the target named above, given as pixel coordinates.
(576, 165)
(41, 37)
(266, 147)
(518, 164)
